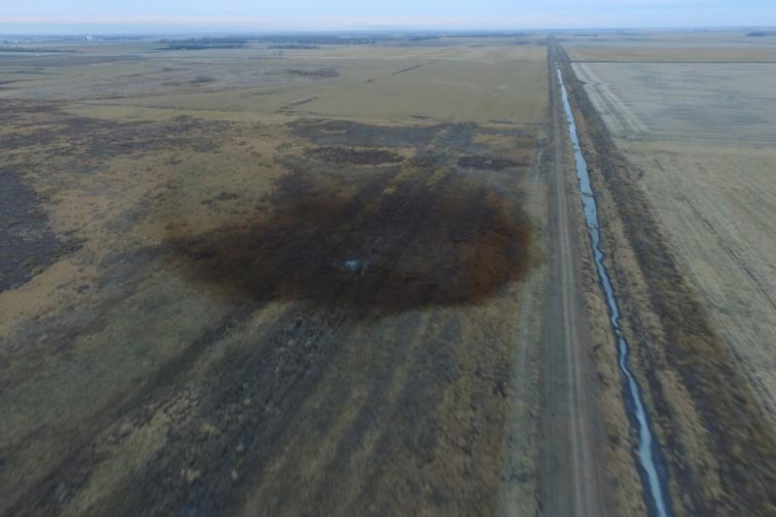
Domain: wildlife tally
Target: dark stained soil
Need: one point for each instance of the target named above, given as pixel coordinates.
(28, 244)
(347, 133)
(347, 155)
(433, 141)
(487, 163)
(450, 244)
(103, 138)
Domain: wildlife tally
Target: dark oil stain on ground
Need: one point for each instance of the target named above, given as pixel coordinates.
(347, 155)
(28, 243)
(365, 246)
(459, 136)
(488, 163)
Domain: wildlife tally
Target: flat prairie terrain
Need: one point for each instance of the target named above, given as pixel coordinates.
(394, 86)
(647, 54)
(237, 282)
(718, 204)
(684, 160)
(648, 46)
(716, 201)
(720, 103)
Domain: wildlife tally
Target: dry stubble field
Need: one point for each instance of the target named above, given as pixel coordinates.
(702, 136)
(693, 147)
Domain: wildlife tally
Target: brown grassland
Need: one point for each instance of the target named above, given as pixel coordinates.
(355, 279)
(248, 284)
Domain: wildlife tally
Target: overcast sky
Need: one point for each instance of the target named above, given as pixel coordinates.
(242, 15)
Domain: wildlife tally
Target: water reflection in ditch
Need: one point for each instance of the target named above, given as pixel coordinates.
(648, 453)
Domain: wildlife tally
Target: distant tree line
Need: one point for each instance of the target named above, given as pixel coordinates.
(292, 46)
(35, 50)
(279, 41)
(204, 43)
(491, 34)
(761, 34)
(318, 39)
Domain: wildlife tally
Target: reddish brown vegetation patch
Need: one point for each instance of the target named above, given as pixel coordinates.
(375, 249)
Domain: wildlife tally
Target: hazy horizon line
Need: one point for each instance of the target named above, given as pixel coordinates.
(161, 24)
(129, 29)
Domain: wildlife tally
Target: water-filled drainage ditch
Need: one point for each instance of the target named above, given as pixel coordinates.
(647, 453)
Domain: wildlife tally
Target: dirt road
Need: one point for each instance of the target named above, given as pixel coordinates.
(570, 485)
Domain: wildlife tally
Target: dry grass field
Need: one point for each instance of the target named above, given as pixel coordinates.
(390, 86)
(253, 284)
(669, 46)
(680, 54)
(718, 204)
(688, 177)
(720, 103)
